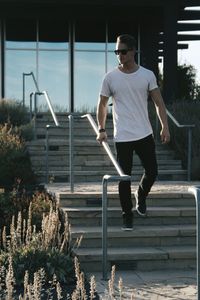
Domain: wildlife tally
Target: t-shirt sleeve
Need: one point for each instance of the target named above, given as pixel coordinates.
(105, 87)
(152, 82)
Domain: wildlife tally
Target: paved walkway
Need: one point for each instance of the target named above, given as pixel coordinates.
(155, 285)
(93, 187)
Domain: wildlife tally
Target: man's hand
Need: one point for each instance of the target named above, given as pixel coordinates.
(102, 137)
(165, 135)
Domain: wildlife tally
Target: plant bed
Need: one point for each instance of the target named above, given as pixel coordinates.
(36, 253)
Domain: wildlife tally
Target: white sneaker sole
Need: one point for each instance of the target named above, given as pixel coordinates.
(139, 213)
(127, 229)
(136, 207)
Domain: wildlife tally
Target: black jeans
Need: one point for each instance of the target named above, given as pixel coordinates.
(145, 149)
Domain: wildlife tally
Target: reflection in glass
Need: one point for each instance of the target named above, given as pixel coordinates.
(17, 63)
(53, 75)
(20, 45)
(112, 61)
(20, 33)
(89, 71)
(90, 46)
(53, 46)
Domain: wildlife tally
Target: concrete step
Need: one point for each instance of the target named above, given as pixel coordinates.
(89, 164)
(155, 199)
(149, 235)
(96, 176)
(92, 216)
(139, 258)
(102, 168)
(164, 239)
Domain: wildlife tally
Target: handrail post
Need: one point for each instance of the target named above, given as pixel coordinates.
(31, 106)
(104, 226)
(35, 115)
(23, 85)
(71, 152)
(47, 153)
(23, 89)
(189, 153)
(105, 180)
(196, 192)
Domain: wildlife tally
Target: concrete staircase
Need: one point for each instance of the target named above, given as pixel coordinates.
(91, 160)
(165, 239)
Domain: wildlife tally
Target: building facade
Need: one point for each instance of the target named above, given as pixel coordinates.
(69, 44)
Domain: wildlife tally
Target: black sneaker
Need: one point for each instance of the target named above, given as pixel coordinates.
(127, 221)
(140, 205)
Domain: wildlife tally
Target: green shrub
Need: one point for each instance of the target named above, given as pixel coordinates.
(13, 112)
(36, 237)
(19, 200)
(14, 158)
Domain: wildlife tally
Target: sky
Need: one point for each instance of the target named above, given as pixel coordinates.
(192, 54)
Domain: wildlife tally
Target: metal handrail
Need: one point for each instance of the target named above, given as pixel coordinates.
(33, 115)
(195, 190)
(47, 126)
(35, 82)
(105, 180)
(105, 145)
(189, 127)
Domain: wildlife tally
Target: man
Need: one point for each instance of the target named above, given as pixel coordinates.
(129, 85)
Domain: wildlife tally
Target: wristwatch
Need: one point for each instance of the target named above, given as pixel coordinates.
(102, 130)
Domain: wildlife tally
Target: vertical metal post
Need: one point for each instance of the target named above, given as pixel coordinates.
(35, 114)
(71, 152)
(196, 192)
(31, 106)
(71, 65)
(23, 89)
(47, 153)
(104, 226)
(189, 153)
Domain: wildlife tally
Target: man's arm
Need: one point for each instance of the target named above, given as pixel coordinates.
(162, 115)
(101, 117)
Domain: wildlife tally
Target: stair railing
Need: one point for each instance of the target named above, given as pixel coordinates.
(195, 190)
(33, 115)
(189, 148)
(24, 75)
(106, 179)
(48, 127)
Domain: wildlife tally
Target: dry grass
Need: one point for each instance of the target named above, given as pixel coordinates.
(37, 284)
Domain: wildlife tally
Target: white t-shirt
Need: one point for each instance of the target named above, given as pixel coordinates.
(130, 102)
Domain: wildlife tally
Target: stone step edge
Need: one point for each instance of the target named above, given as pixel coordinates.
(138, 231)
(92, 173)
(162, 211)
(138, 253)
(114, 194)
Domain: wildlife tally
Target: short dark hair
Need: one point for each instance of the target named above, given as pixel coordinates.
(128, 40)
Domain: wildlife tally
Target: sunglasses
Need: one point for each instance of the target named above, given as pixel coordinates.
(122, 51)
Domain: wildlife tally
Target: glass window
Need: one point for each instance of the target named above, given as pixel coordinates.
(47, 58)
(53, 77)
(89, 71)
(90, 60)
(53, 34)
(20, 34)
(17, 63)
